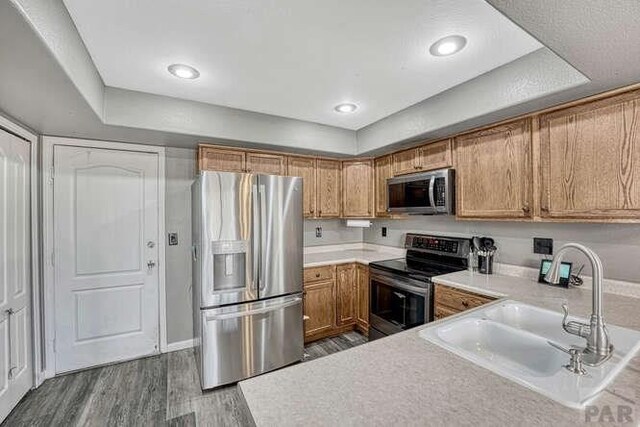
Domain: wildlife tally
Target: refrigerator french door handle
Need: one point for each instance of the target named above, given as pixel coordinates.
(255, 252)
(266, 309)
(432, 198)
(263, 237)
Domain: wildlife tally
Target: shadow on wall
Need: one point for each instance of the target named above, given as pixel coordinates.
(617, 244)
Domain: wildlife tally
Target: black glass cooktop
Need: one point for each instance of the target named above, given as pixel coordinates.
(417, 267)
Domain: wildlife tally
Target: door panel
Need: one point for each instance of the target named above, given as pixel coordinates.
(16, 371)
(227, 238)
(281, 234)
(106, 256)
(249, 339)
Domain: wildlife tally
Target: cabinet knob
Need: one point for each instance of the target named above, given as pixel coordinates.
(526, 209)
(544, 209)
(317, 274)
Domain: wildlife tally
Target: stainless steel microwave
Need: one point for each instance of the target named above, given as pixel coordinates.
(426, 193)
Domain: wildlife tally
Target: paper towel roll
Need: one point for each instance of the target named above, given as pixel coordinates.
(363, 223)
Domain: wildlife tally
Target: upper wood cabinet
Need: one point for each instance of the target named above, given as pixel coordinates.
(328, 188)
(219, 159)
(494, 173)
(346, 294)
(383, 170)
(357, 188)
(590, 160)
(230, 160)
(406, 161)
(270, 164)
(306, 168)
(435, 155)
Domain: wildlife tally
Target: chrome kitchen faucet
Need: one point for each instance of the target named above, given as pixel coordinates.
(599, 348)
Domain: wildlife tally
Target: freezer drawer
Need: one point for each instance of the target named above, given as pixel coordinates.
(244, 340)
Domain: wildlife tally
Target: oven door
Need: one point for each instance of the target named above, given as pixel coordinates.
(398, 303)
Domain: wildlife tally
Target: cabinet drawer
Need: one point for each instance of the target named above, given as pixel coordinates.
(314, 274)
(441, 312)
(458, 300)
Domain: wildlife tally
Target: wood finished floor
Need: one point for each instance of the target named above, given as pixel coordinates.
(161, 390)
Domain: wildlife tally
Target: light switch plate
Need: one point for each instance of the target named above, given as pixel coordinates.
(318, 232)
(542, 246)
(173, 239)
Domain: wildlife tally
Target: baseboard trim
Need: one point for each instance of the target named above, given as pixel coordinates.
(179, 345)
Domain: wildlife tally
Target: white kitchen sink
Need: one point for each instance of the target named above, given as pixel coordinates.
(511, 339)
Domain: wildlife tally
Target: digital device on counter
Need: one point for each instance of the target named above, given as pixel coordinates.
(565, 273)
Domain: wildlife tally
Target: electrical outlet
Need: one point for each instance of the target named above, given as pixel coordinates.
(542, 246)
(318, 232)
(384, 231)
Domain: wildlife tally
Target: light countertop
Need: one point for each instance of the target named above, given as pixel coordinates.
(405, 380)
(341, 254)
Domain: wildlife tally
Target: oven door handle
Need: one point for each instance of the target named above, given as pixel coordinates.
(401, 285)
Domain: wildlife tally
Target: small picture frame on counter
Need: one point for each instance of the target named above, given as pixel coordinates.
(565, 273)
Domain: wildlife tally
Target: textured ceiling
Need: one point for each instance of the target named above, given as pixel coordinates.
(296, 58)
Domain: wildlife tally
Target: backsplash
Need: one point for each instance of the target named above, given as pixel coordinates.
(617, 244)
(334, 231)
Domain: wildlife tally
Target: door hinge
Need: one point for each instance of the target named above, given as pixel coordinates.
(54, 345)
(53, 259)
(52, 174)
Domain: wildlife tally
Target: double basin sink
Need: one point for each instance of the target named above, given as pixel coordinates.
(511, 339)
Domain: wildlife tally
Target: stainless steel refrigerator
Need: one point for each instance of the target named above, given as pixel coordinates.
(247, 274)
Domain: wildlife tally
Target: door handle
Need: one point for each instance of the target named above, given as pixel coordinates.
(151, 264)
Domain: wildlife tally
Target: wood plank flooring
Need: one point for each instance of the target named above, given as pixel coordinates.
(161, 390)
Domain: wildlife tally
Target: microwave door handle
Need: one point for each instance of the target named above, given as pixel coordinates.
(432, 199)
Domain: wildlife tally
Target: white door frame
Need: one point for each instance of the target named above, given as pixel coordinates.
(48, 144)
(34, 142)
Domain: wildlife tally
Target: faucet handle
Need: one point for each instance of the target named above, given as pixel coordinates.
(572, 327)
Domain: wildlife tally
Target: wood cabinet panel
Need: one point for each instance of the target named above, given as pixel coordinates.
(319, 309)
(357, 188)
(494, 172)
(328, 188)
(217, 159)
(362, 284)
(346, 294)
(449, 300)
(270, 164)
(436, 155)
(590, 160)
(305, 167)
(314, 274)
(405, 162)
(383, 170)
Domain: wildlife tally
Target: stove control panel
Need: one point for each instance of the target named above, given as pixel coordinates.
(438, 244)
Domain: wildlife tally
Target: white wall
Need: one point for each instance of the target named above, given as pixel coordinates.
(334, 232)
(180, 171)
(617, 244)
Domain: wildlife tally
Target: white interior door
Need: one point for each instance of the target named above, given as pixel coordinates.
(105, 255)
(16, 366)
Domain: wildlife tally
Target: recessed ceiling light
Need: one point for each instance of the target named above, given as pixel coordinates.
(183, 71)
(345, 108)
(448, 45)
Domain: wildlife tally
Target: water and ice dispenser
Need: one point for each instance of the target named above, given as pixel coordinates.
(229, 265)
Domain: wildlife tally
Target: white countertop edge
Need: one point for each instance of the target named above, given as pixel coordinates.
(392, 250)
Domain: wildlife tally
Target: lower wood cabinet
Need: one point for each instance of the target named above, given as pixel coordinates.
(336, 300)
(449, 301)
(362, 288)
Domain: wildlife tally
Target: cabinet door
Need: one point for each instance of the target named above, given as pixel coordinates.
(217, 159)
(346, 294)
(357, 188)
(306, 168)
(405, 162)
(383, 169)
(319, 308)
(494, 173)
(590, 160)
(270, 164)
(363, 296)
(436, 155)
(328, 188)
